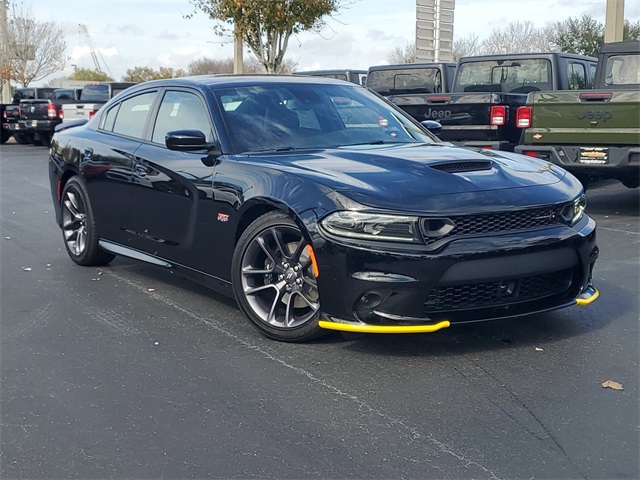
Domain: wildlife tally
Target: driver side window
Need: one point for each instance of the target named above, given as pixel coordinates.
(181, 111)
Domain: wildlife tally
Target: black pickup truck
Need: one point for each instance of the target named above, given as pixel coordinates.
(406, 84)
(487, 90)
(39, 117)
(11, 113)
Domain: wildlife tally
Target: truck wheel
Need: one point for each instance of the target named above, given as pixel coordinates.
(22, 138)
(5, 135)
(45, 139)
(585, 180)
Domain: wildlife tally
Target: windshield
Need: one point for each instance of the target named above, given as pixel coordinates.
(410, 80)
(311, 116)
(517, 76)
(96, 93)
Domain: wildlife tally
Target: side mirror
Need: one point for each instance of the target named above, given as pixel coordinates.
(193, 141)
(186, 140)
(433, 126)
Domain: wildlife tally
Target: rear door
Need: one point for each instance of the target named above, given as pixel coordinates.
(109, 159)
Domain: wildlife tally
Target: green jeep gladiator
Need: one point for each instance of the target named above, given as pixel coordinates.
(594, 134)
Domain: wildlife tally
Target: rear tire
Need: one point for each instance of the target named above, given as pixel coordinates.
(273, 280)
(45, 139)
(79, 229)
(5, 135)
(23, 138)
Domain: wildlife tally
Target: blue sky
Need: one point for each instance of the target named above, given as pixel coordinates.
(155, 33)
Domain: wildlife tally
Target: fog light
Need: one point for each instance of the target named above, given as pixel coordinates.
(370, 300)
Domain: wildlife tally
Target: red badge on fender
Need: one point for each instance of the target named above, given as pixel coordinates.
(223, 217)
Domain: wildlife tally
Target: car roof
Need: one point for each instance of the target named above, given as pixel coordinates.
(628, 46)
(407, 66)
(238, 80)
(524, 56)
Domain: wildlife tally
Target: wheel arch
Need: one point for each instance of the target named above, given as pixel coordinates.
(256, 207)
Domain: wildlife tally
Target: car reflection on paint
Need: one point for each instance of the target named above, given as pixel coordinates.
(319, 206)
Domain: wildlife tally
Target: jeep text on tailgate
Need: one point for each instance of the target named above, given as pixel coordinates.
(93, 96)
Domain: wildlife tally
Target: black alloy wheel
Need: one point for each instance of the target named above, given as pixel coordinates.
(274, 281)
(45, 139)
(79, 227)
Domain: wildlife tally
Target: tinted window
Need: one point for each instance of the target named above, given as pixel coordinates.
(24, 94)
(110, 118)
(410, 80)
(95, 93)
(181, 111)
(523, 75)
(311, 116)
(132, 115)
(577, 76)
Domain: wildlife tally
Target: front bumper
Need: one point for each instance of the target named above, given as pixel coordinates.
(472, 279)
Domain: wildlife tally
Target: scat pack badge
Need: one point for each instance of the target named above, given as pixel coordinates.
(223, 217)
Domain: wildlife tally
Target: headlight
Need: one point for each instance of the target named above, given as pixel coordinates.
(373, 226)
(572, 213)
(579, 205)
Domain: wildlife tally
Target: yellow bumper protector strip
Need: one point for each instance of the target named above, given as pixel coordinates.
(349, 327)
(589, 299)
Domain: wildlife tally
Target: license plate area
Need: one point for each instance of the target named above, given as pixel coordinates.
(593, 156)
(34, 123)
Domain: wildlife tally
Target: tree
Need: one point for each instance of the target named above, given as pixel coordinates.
(466, 47)
(405, 54)
(87, 74)
(517, 37)
(583, 35)
(31, 49)
(144, 74)
(266, 26)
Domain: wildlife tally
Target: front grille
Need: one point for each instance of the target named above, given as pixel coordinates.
(489, 223)
(505, 292)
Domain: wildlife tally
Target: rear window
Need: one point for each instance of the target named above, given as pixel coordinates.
(95, 93)
(410, 80)
(623, 70)
(517, 76)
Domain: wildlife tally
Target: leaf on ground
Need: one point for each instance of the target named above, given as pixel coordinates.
(151, 289)
(26, 269)
(538, 349)
(613, 385)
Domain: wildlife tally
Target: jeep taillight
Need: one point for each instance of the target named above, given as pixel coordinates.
(60, 114)
(51, 111)
(91, 114)
(523, 117)
(498, 115)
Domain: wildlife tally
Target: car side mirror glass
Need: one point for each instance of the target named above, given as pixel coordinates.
(432, 126)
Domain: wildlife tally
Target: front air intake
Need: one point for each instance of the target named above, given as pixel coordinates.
(458, 167)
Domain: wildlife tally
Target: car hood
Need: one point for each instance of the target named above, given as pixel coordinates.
(413, 175)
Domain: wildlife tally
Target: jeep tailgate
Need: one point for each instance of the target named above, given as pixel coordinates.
(592, 117)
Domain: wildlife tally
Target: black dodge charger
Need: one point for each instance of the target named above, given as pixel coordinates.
(319, 206)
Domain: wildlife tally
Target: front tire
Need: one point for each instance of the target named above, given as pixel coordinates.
(274, 282)
(79, 229)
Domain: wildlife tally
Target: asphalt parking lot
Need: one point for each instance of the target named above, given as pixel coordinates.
(129, 371)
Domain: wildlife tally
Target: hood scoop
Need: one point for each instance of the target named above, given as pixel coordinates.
(462, 166)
